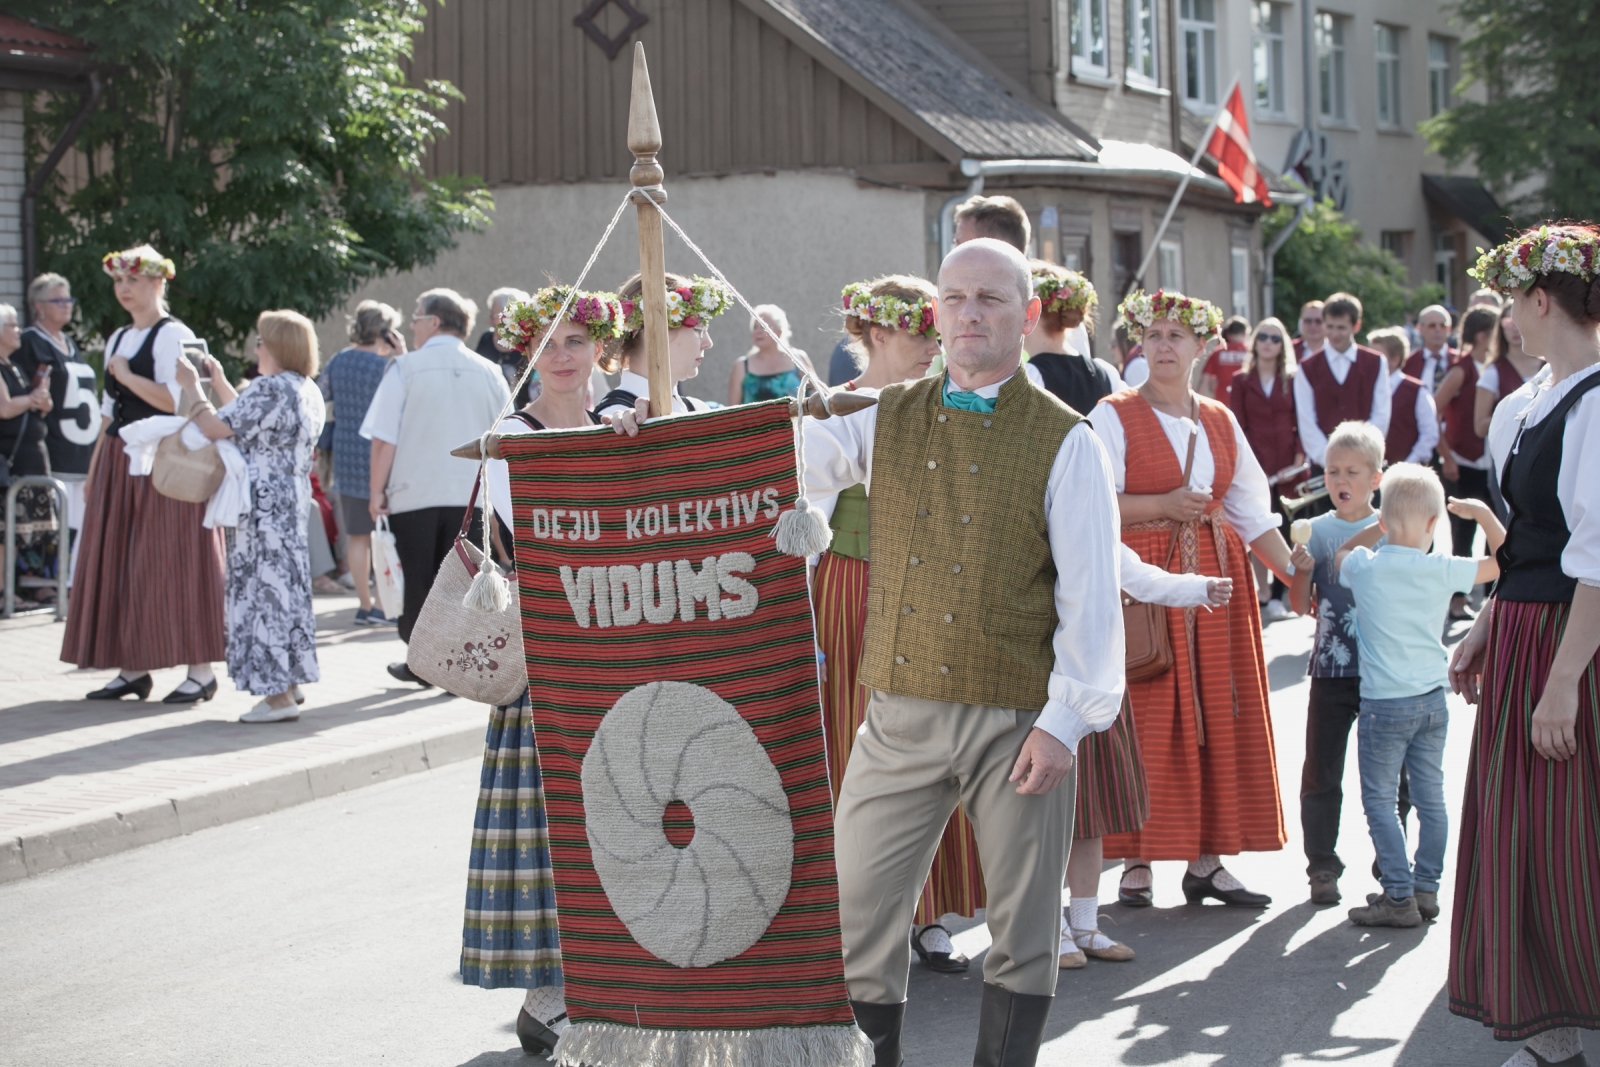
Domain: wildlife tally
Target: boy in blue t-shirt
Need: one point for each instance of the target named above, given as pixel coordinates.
(1352, 467)
(1403, 598)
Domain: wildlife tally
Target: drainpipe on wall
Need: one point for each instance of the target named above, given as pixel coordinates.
(35, 186)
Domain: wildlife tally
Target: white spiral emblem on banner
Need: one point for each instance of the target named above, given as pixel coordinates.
(714, 898)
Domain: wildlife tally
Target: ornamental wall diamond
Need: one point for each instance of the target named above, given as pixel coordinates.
(610, 43)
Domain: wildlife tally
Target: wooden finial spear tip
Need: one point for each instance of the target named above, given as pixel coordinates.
(644, 131)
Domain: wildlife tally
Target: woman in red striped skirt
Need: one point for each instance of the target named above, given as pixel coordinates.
(890, 321)
(147, 593)
(1525, 936)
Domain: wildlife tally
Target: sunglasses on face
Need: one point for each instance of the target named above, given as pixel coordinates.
(1275, 338)
(61, 301)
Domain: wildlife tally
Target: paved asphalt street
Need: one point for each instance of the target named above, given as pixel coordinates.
(328, 934)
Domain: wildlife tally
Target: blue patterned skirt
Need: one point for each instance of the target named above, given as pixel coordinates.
(509, 938)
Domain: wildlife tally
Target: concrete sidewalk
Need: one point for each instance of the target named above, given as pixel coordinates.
(82, 779)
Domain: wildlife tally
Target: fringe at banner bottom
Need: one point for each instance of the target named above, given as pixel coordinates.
(598, 1044)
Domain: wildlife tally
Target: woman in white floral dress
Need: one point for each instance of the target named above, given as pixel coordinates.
(271, 629)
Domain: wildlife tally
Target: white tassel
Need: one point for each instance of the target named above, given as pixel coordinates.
(803, 530)
(489, 591)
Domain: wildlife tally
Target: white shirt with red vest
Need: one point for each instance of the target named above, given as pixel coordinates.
(1312, 440)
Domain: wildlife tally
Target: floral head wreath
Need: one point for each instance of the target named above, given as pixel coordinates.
(120, 264)
(522, 320)
(897, 313)
(1513, 266)
(1071, 293)
(1141, 309)
(693, 305)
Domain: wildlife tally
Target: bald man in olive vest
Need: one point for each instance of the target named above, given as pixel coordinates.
(993, 644)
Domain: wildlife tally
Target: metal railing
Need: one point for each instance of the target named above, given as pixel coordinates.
(64, 536)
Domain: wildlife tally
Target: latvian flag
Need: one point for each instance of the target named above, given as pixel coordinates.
(1230, 147)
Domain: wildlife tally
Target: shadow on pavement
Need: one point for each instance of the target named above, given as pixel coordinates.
(1284, 672)
(513, 1055)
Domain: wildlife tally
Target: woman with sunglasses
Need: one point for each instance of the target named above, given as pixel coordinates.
(1262, 400)
(148, 588)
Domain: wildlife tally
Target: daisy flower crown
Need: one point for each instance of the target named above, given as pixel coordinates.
(1141, 309)
(119, 264)
(693, 305)
(896, 313)
(1072, 293)
(1514, 266)
(600, 313)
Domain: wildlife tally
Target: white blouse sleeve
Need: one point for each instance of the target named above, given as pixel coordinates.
(1248, 502)
(1152, 585)
(1489, 379)
(1580, 496)
(499, 474)
(1108, 427)
(168, 348)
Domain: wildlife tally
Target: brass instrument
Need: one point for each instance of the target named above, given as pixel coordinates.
(1311, 491)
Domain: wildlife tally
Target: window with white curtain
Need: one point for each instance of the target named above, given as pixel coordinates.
(1386, 49)
(1197, 51)
(1169, 265)
(1266, 19)
(1330, 34)
(1139, 27)
(1239, 262)
(1089, 26)
(1441, 73)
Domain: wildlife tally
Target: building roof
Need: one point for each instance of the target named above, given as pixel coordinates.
(33, 57)
(917, 70)
(1468, 200)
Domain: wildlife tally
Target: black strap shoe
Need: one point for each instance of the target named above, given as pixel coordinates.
(184, 695)
(401, 672)
(1135, 896)
(1010, 1028)
(943, 962)
(537, 1039)
(120, 687)
(1196, 890)
(881, 1023)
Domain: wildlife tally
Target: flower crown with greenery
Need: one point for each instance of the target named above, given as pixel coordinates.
(693, 305)
(1141, 309)
(118, 264)
(1513, 266)
(523, 320)
(896, 313)
(1073, 292)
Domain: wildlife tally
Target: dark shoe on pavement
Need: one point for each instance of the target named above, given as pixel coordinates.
(1427, 904)
(190, 691)
(1386, 911)
(1134, 896)
(942, 962)
(120, 687)
(400, 672)
(1570, 1061)
(1196, 890)
(881, 1023)
(1325, 888)
(537, 1039)
(1010, 1028)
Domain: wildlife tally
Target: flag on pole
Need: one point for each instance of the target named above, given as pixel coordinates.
(1230, 147)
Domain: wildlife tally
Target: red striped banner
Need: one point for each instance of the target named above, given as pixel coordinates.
(650, 560)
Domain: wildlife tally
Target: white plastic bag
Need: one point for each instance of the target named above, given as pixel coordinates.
(387, 575)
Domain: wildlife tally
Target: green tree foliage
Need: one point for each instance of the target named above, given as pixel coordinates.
(272, 148)
(1326, 255)
(1537, 62)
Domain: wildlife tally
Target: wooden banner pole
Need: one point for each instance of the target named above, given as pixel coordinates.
(644, 141)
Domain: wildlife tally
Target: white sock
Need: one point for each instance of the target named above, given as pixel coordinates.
(936, 939)
(545, 1003)
(202, 673)
(1556, 1045)
(1224, 880)
(131, 676)
(1136, 878)
(1084, 914)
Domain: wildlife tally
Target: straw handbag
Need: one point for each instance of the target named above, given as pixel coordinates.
(1144, 626)
(182, 474)
(472, 651)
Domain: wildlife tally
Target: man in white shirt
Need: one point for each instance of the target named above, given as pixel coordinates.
(1343, 381)
(435, 397)
(1428, 363)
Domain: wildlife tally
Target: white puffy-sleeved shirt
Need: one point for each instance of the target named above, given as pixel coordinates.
(1247, 505)
(639, 385)
(1153, 585)
(1312, 440)
(1580, 452)
(1081, 520)
(165, 352)
(1503, 424)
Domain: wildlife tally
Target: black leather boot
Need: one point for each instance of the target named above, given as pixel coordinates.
(1010, 1028)
(881, 1022)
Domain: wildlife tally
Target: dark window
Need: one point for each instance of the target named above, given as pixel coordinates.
(1126, 251)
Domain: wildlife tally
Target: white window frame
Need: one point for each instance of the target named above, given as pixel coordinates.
(1197, 55)
(1441, 73)
(1332, 69)
(1266, 59)
(1169, 264)
(1239, 271)
(1142, 49)
(1085, 61)
(1386, 55)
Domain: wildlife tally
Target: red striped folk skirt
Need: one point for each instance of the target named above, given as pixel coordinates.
(148, 589)
(1525, 935)
(955, 883)
(1112, 796)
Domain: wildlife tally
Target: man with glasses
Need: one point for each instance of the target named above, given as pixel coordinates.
(454, 396)
(1311, 335)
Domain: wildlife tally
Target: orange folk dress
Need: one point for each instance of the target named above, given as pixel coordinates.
(1210, 763)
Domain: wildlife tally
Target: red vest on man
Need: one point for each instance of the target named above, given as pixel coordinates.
(1336, 402)
(1459, 432)
(1415, 362)
(1403, 429)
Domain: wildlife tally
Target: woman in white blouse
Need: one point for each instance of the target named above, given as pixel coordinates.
(1203, 727)
(148, 588)
(1525, 951)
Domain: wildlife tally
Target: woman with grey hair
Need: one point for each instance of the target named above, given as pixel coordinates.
(24, 402)
(766, 372)
(509, 360)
